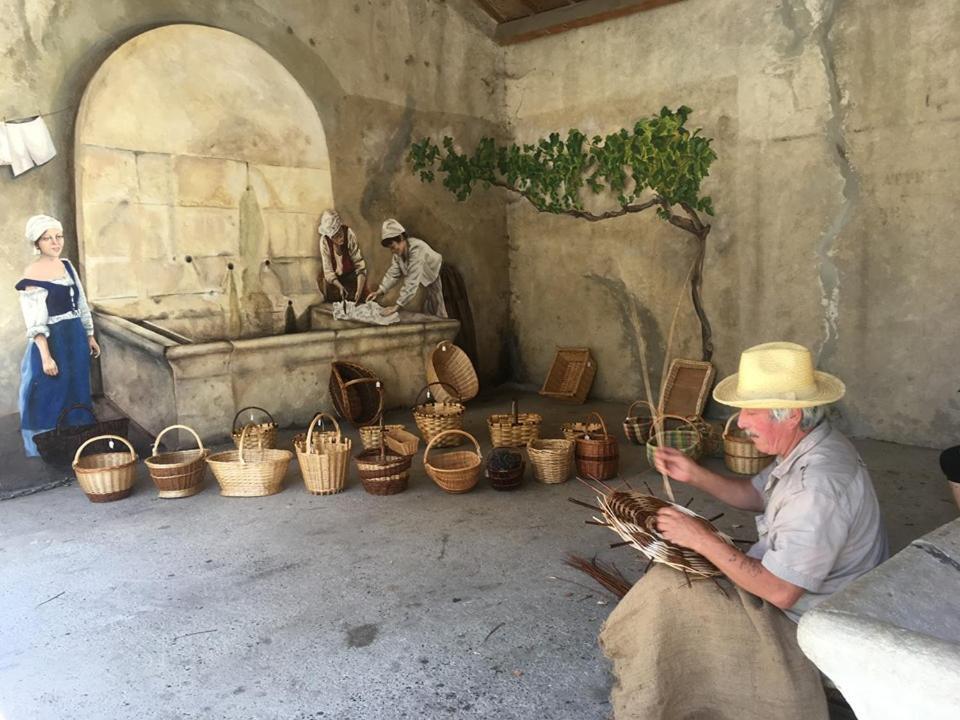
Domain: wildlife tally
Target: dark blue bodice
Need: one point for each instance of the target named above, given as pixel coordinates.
(61, 299)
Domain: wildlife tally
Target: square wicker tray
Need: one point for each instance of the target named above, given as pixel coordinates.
(571, 375)
(687, 387)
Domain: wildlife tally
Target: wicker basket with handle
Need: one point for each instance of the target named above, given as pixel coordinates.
(687, 441)
(356, 392)
(515, 429)
(106, 477)
(258, 435)
(58, 446)
(740, 453)
(450, 365)
(552, 459)
(573, 430)
(597, 455)
(370, 434)
(636, 428)
(179, 473)
(250, 472)
(455, 471)
(383, 472)
(436, 417)
(324, 462)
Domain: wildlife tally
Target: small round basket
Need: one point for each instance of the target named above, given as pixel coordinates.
(370, 435)
(457, 471)
(597, 454)
(434, 417)
(740, 454)
(259, 435)
(382, 472)
(179, 473)
(552, 459)
(636, 428)
(515, 429)
(106, 477)
(401, 441)
(505, 478)
(573, 430)
(450, 366)
(686, 440)
(250, 472)
(323, 462)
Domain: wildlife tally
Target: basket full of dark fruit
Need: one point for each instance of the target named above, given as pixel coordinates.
(505, 469)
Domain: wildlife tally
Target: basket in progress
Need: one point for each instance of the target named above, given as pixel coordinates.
(687, 441)
(106, 477)
(571, 375)
(552, 459)
(178, 473)
(573, 430)
(355, 392)
(258, 435)
(323, 462)
(451, 366)
(636, 428)
(597, 455)
(250, 472)
(435, 417)
(455, 471)
(383, 472)
(401, 441)
(515, 429)
(370, 434)
(740, 454)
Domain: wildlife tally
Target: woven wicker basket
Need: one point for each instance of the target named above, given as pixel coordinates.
(382, 472)
(370, 434)
(515, 429)
(58, 446)
(573, 430)
(324, 462)
(686, 441)
(506, 479)
(597, 455)
(356, 393)
(179, 473)
(571, 375)
(636, 428)
(457, 471)
(434, 418)
(711, 436)
(740, 454)
(450, 365)
(250, 472)
(552, 460)
(108, 476)
(258, 435)
(401, 441)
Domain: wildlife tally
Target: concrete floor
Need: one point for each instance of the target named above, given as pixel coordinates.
(420, 605)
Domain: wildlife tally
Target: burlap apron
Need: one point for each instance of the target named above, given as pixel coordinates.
(685, 653)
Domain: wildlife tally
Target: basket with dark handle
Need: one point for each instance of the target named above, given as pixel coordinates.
(58, 446)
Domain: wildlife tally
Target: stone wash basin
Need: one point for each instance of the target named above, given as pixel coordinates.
(161, 373)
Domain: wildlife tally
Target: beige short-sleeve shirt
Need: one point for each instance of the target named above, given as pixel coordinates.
(821, 526)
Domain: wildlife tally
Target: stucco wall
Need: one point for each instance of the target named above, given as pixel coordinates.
(835, 125)
(378, 73)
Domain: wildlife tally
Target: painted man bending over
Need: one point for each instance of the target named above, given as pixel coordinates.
(417, 264)
(818, 529)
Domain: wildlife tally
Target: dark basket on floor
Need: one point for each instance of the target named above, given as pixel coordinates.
(356, 393)
(506, 479)
(58, 446)
(386, 474)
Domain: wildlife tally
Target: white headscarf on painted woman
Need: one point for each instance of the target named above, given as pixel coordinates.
(37, 226)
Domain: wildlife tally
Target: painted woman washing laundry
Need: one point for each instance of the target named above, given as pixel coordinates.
(55, 373)
(344, 269)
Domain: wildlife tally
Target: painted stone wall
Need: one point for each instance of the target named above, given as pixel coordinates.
(377, 73)
(835, 123)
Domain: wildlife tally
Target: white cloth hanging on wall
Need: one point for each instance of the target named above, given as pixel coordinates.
(30, 144)
(4, 145)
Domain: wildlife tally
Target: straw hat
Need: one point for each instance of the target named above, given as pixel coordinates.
(778, 375)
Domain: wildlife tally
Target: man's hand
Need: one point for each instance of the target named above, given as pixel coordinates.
(389, 310)
(682, 529)
(373, 296)
(675, 464)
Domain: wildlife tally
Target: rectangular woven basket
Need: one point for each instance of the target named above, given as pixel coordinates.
(571, 375)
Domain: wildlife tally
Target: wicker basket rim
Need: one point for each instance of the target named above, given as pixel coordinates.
(506, 419)
(158, 460)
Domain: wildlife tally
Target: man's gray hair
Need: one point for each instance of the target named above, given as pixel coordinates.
(809, 419)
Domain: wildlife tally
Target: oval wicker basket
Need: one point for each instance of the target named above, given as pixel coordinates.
(250, 472)
(436, 417)
(456, 471)
(383, 472)
(450, 365)
(636, 428)
(401, 441)
(552, 459)
(106, 477)
(178, 473)
(573, 430)
(515, 429)
(323, 462)
(370, 434)
(686, 441)
(259, 435)
(740, 453)
(597, 455)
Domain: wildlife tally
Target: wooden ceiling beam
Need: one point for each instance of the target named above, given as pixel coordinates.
(587, 12)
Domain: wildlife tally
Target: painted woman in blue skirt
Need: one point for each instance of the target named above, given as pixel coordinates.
(55, 373)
